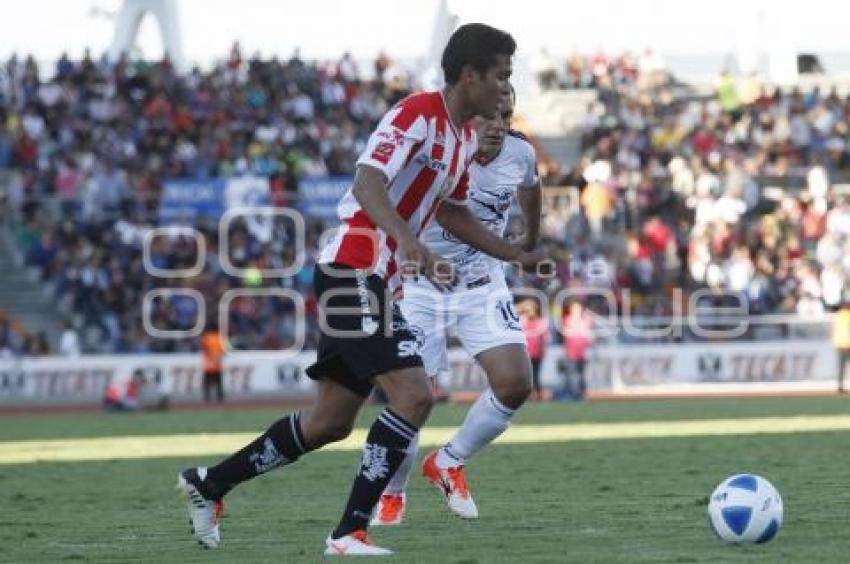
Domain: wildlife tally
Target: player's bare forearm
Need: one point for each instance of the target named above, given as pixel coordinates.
(531, 203)
(370, 190)
(463, 224)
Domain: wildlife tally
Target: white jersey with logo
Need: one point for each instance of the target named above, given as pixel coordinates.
(492, 188)
(481, 310)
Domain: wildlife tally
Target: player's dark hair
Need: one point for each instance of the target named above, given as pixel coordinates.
(474, 44)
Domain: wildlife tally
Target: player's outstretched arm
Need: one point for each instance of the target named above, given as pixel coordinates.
(462, 223)
(370, 190)
(531, 203)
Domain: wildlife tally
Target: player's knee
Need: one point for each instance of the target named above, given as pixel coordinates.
(421, 403)
(424, 403)
(513, 393)
(415, 406)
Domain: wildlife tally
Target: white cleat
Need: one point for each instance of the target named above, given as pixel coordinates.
(390, 510)
(354, 544)
(452, 484)
(203, 512)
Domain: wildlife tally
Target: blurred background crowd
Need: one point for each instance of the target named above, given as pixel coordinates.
(739, 190)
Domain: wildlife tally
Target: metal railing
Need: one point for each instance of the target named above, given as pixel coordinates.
(712, 328)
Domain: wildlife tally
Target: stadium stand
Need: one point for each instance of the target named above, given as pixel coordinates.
(92, 145)
(738, 191)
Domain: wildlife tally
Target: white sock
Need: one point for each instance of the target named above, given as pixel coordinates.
(398, 482)
(487, 419)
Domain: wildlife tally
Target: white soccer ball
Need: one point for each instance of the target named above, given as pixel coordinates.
(745, 508)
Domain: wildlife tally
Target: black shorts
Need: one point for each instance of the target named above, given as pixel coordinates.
(377, 338)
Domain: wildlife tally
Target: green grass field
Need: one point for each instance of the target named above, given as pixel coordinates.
(593, 500)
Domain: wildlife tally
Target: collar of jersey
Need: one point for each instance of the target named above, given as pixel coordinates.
(483, 160)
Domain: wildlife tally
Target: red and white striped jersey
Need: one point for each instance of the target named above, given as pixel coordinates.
(425, 160)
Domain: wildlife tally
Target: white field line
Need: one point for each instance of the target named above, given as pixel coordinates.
(183, 445)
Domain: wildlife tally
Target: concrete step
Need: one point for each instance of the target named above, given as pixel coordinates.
(37, 324)
(31, 308)
(555, 113)
(20, 298)
(14, 286)
(23, 295)
(15, 278)
(20, 284)
(565, 150)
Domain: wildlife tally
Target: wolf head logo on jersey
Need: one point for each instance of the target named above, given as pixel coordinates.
(504, 202)
(494, 204)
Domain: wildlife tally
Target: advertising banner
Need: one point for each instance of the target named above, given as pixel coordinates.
(319, 196)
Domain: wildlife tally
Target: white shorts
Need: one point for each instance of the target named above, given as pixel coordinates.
(483, 318)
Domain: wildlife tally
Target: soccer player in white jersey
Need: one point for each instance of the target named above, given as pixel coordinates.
(480, 309)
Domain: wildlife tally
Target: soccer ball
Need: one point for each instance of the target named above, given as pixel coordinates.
(745, 508)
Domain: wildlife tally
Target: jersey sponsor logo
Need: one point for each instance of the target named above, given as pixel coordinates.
(412, 336)
(496, 203)
(434, 164)
(383, 152)
(396, 136)
(408, 348)
(437, 164)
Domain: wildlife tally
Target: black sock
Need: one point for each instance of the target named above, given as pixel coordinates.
(383, 453)
(281, 444)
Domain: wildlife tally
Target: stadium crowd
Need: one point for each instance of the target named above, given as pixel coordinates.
(93, 143)
(734, 191)
(599, 71)
(738, 192)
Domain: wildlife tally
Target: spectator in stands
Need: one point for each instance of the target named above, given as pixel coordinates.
(841, 342)
(123, 395)
(212, 352)
(10, 343)
(36, 345)
(69, 341)
(536, 330)
(93, 144)
(577, 331)
(544, 67)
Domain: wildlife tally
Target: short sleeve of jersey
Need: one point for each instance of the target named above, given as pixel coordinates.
(400, 130)
(530, 177)
(458, 195)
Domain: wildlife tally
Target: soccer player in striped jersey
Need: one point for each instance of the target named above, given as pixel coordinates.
(480, 308)
(412, 170)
